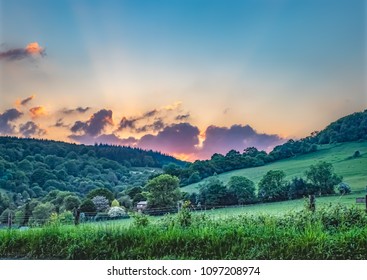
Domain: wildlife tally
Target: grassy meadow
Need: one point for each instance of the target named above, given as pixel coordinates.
(330, 233)
(353, 170)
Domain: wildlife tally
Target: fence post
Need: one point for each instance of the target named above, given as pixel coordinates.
(312, 204)
(9, 220)
(76, 216)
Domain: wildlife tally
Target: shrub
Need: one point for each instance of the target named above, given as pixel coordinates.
(140, 220)
(116, 211)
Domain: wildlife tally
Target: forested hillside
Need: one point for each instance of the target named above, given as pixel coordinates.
(32, 168)
(349, 128)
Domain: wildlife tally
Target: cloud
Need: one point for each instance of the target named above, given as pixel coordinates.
(237, 137)
(37, 111)
(30, 129)
(182, 117)
(95, 125)
(60, 123)
(76, 110)
(176, 138)
(127, 123)
(6, 118)
(156, 126)
(25, 101)
(31, 50)
(173, 106)
(131, 123)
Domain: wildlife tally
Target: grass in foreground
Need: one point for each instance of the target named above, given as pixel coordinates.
(331, 233)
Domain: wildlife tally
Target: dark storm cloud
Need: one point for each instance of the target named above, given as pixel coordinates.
(76, 110)
(95, 125)
(30, 129)
(6, 118)
(176, 138)
(237, 137)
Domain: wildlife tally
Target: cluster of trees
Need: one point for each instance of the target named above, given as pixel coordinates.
(250, 157)
(349, 128)
(320, 179)
(31, 169)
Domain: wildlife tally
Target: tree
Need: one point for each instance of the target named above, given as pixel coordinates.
(273, 186)
(116, 211)
(299, 188)
(101, 203)
(241, 190)
(115, 203)
(88, 207)
(163, 191)
(42, 212)
(322, 177)
(344, 188)
(70, 202)
(101, 192)
(194, 178)
(213, 193)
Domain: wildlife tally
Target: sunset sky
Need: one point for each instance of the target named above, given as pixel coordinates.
(185, 77)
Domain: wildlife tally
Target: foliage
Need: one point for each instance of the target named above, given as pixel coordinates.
(140, 220)
(116, 211)
(241, 190)
(322, 177)
(101, 203)
(329, 233)
(115, 203)
(41, 213)
(101, 192)
(184, 216)
(273, 186)
(213, 193)
(344, 188)
(88, 207)
(299, 188)
(71, 202)
(162, 191)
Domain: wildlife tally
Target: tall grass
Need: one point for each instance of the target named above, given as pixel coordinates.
(330, 233)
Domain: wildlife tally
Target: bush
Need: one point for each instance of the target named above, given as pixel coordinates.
(116, 211)
(140, 220)
(344, 188)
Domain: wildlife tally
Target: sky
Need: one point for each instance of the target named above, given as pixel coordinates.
(187, 78)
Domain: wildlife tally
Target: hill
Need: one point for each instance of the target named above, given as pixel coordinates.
(31, 168)
(353, 170)
(349, 128)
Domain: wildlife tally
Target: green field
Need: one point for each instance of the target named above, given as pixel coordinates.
(330, 233)
(353, 170)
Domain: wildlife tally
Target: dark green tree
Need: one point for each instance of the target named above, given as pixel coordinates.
(101, 192)
(323, 178)
(273, 186)
(213, 193)
(241, 190)
(163, 191)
